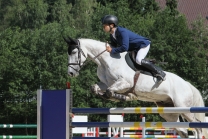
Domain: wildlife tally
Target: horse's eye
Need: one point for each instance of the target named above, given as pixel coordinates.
(73, 52)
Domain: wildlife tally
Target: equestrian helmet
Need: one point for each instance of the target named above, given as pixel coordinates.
(110, 19)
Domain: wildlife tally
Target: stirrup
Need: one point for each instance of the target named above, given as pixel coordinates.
(161, 77)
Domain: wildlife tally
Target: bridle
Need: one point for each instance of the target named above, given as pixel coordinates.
(80, 51)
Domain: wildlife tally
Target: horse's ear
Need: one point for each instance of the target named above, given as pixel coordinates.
(73, 40)
(70, 41)
(66, 40)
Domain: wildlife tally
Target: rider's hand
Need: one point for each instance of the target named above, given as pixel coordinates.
(108, 48)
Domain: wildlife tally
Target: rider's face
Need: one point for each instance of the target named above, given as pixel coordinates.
(106, 28)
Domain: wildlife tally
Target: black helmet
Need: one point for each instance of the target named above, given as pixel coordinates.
(110, 19)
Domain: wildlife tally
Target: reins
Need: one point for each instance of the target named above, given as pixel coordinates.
(79, 57)
(92, 59)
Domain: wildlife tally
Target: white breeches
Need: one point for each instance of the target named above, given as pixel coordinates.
(141, 54)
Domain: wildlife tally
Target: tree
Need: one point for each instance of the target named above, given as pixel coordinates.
(59, 11)
(200, 42)
(172, 5)
(30, 60)
(82, 13)
(24, 13)
(17, 98)
(172, 42)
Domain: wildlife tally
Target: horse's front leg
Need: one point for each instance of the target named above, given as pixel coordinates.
(99, 88)
(118, 91)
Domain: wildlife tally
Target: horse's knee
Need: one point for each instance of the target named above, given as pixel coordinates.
(94, 88)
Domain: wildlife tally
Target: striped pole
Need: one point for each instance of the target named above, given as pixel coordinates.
(18, 137)
(34, 137)
(118, 138)
(128, 133)
(162, 129)
(18, 126)
(153, 136)
(141, 110)
(142, 124)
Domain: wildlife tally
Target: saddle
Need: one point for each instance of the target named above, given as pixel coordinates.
(130, 58)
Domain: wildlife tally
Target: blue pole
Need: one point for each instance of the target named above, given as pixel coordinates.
(53, 114)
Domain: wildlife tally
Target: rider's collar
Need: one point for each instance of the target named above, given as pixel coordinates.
(114, 33)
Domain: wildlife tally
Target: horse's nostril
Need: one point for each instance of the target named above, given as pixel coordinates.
(70, 73)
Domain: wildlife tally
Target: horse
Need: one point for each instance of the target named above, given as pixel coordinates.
(117, 82)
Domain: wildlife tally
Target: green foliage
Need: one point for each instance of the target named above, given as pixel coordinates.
(17, 98)
(25, 13)
(83, 20)
(173, 43)
(172, 5)
(58, 11)
(33, 54)
(200, 41)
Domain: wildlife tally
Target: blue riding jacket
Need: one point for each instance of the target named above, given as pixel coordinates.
(127, 40)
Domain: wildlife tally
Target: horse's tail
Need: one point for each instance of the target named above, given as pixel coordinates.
(198, 102)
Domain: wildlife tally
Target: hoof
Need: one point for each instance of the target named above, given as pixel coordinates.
(93, 90)
(109, 93)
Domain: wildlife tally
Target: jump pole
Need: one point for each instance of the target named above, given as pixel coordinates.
(53, 108)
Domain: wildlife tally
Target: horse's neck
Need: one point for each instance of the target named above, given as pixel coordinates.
(94, 48)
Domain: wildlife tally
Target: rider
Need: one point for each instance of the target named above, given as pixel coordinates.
(129, 41)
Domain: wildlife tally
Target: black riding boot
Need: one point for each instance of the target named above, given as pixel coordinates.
(159, 73)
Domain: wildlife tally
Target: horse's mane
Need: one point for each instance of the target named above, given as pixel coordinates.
(97, 41)
(89, 39)
(93, 41)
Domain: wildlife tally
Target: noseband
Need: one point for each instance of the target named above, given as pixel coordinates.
(80, 51)
(79, 57)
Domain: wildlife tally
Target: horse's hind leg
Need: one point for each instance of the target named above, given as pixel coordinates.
(190, 117)
(172, 117)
